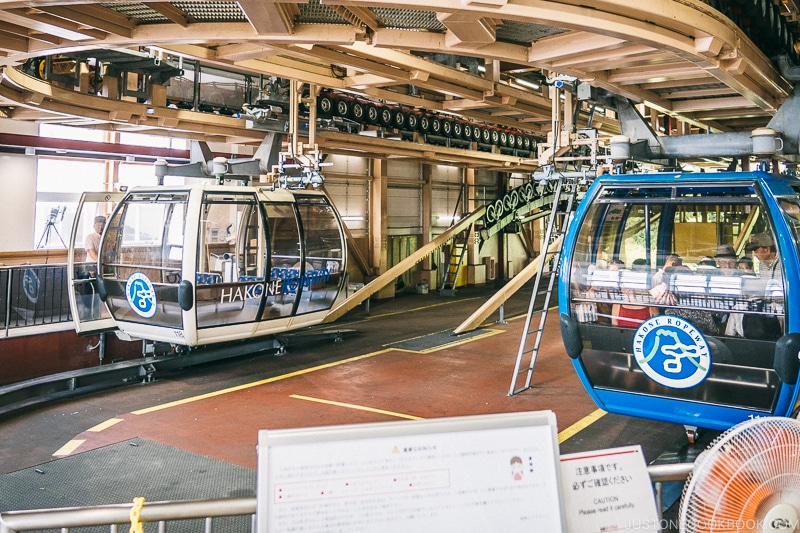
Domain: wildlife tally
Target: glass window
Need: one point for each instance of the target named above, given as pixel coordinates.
(690, 253)
(57, 131)
(58, 186)
(284, 242)
(132, 175)
(324, 257)
(231, 272)
(144, 238)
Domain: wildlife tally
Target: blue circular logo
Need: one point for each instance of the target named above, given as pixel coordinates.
(141, 295)
(672, 352)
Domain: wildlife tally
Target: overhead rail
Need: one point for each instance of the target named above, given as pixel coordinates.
(391, 275)
(515, 205)
(512, 207)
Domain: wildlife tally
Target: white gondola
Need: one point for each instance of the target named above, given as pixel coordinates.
(201, 264)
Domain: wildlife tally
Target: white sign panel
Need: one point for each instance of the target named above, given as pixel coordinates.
(446, 478)
(608, 490)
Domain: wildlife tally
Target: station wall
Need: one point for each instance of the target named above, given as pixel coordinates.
(18, 197)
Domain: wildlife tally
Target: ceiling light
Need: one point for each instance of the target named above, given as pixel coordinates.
(528, 84)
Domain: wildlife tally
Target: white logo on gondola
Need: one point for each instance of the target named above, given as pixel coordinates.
(672, 352)
(141, 295)
(30, 283)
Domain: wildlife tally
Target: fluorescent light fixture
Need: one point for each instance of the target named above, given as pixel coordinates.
(352, 218)
(528, 84)
(448, 218)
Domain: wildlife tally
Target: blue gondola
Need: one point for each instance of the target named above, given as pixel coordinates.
(707, 343)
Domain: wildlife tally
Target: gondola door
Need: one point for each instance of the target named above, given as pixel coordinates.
(89, 313)
(231, 263)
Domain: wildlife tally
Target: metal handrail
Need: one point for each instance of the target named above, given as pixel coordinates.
(112, 515)
(51, 302)
(161, 512)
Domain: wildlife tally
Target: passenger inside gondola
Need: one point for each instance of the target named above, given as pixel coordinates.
(701, 277)
(726, 259)
(633, 285)
(707, 322)
(745, 266)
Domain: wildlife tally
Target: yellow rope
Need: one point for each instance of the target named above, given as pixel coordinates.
(136, 523)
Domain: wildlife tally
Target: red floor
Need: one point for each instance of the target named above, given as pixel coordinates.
(471, 377)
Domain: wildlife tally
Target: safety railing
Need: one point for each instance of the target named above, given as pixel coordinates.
(161, 513)
(33, 295)
(115, 515)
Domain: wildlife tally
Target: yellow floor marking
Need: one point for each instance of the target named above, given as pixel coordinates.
(580, 425)
(515, 317)
(353, 406)
(105, 425)
(286, 376)
(257, 383)
(489, 333)
(371, 317)
(68, 448)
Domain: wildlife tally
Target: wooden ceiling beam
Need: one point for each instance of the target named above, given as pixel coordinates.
(703, 104)
(701, 79)
(699, 93)
(411, 62)
(653, 73)
(94, 16)
(565, 45)
(243, 51)
(616, 52)
(269, 18)
(465, 28)
(363, 15)
(388, 70)
(25, 32)
(174, 14)
(50, 25)
(13, 42)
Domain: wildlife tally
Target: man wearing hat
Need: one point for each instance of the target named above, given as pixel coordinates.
(92, 243)
(766, 254)
(726, 259)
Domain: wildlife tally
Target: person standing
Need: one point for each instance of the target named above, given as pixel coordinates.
(92, 242)
(766, 254)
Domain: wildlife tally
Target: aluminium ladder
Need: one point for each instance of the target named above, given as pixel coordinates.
(454, 260)
(550, 260)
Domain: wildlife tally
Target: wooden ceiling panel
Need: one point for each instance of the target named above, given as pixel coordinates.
(681, 58)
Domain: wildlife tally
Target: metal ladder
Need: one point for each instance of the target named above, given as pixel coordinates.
(550, 259)
(456, 256)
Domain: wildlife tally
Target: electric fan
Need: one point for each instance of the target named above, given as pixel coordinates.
(748, 479)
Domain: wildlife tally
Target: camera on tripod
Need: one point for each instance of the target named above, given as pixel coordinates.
(54, 215)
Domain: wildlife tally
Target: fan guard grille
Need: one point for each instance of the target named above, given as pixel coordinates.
(749, 474)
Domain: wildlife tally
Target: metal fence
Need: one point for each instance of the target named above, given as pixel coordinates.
(159, 514)
(33, 295)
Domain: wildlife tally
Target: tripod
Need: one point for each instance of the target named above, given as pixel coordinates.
(49, 226)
